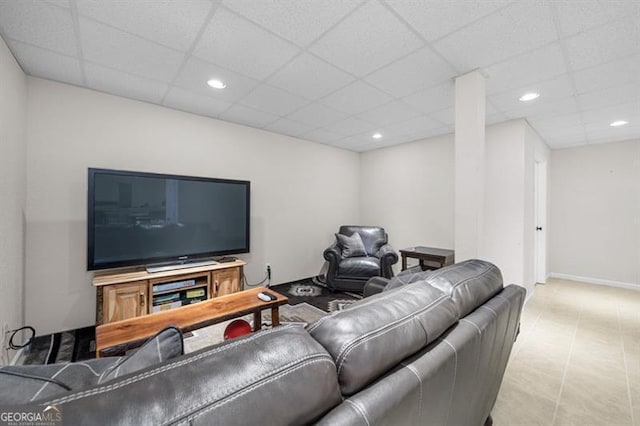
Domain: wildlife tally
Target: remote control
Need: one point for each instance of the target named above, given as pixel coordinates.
(266, 297)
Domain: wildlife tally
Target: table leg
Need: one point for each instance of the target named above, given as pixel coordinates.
(275, 316)
(404, 262)
(257, 320)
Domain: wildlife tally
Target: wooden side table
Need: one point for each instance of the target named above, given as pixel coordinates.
(435, 257)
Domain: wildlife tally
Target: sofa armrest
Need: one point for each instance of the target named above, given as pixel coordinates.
(333, 254)
(375, 285)
(388, 258)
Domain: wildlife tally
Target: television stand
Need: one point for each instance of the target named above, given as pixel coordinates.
(182, 265)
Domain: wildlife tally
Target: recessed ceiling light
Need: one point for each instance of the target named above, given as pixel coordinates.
(529, 96)
(216, 84)
(377, 135)
(618, 123)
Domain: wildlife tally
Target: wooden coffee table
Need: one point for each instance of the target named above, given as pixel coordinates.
(435, 258)
(118, 337)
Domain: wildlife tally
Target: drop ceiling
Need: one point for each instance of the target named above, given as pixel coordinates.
(338, 71)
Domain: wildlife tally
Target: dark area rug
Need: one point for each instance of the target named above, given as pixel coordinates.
(319, 296)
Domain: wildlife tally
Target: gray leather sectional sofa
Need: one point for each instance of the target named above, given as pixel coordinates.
(431, 352)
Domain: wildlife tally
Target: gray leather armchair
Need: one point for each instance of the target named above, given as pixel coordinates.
(352, 273)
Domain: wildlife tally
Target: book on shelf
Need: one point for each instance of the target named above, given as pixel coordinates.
(166, 306)
(175, 285)
(196, 292)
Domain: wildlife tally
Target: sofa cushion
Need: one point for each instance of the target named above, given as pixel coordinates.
(373, 335)
(351, 246)
(26, 383)
(469, 283)
(359, 267)
(277, 376)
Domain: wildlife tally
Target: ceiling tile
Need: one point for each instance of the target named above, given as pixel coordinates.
(550, 123)
(170, 23)
(613, 73)
(366, 40)
(538, 65)
(603, 44)
(273, 100)
(356, 98)
(288, 127)
(322, 136)
(434, 20)
(433, 99)
(413, 126)
(195, 74)
(187, 101)
(544, 108)
(317, 115)
(310, 77)
(39, 24)
(47, 64)
(612, 134)
(516, 29)
(122, 84)
(412, 73)
(351, 126)
(299, 21)
(390, 113)
(429, 133)
(445, 116)
(250, 117)
(239, 45)
(107, 46)
(59, 3)
(629, 111)
(578, 16)
(550, 90)
(610, 97)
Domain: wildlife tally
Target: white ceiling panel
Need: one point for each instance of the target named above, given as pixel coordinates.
(248, 116)
(317, 115)
(113, 48)
(518, 28)
(417, 71)
(617, 72)
(351, 126)
(610, 97)
(167, 22)
(615, 40)
(228, 34)
(366, 40)
(119, 83)
(336, 72)
(579, 16)
(432, 99)
(273, 100)
(390, 113)
(356, 98)
(47, 64)
(288, 127)
(435, 19)
(187, 101)
(195, 74)
(299, 21)
(39, 24)
(538, 65)
(310, 77)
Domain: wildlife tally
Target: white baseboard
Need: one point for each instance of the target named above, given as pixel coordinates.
(599, 281)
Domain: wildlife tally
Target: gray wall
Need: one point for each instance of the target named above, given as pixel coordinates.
(13, 97)
(301, 191)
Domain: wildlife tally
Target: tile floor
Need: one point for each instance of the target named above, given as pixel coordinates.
(577, 359)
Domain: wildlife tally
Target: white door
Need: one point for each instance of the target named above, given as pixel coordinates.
(540, 231)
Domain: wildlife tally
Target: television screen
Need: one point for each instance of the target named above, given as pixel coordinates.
(138, 218)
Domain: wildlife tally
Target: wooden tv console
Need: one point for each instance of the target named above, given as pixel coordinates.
(130, 294)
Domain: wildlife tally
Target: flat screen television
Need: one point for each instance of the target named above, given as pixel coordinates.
(137, 218)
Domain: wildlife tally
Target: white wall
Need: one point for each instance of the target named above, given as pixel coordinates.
(408, 189)
(301, 191)
(13, 97)
(595, 212)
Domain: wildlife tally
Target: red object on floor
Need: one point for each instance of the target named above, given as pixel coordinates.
(237, 328)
